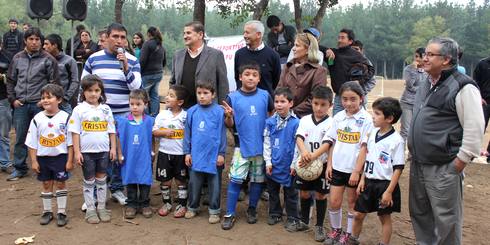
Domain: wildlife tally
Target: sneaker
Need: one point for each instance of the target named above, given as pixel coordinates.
(264, 196)
(130, 213)
(84, 207)
(302, 226)
(332, 237)
(343, 239)
(190, 214)
(228, 221)
(91, 217)
(46, 218)
(353, 240)
(291, 225)
(251, 216)
(119, 197)
(180, 211)
(213, 219)
(104, 215)
(165, 209)
(147, 212)
(61, 219)
(319, 234)
(16, 175)
(272, 220)
(241, 196)
(9, 169)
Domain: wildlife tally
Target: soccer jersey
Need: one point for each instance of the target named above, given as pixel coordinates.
(48, 134)
(312, 133)
(173, 144)
(94, 124)
(385, 153)
(348, 133)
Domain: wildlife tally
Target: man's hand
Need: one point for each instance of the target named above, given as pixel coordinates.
(122, 57)
(17, 104)
(459, 165)
(330, 54)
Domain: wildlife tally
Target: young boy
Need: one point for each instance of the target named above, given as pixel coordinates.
(204, 149)
(246, 111)
(311, 131)
(51, 153)
(279, 140)
(169, 126)
(135, 146)
(378, 188)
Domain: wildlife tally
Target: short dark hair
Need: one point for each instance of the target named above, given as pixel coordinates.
(205, 84)
(249, 66)
(197, 26)
(272, 21)
(53, 89)
(139, 94)
(389, 106)
(349, 32)
(80, 28)
(358, 43)
(420, 51)
(13, 20)
(115, 27)
(353, 86)
(55, 39)
(33, 31)
(284, 91)
(180, 91)
(89, 81)
(322, 92)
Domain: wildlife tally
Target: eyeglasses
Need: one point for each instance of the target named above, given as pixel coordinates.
(430, 55)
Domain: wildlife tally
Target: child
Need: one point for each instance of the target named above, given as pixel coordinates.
(135, 145)
(348, 137)
(169, 126)
(51, 153)
(378, 188)
(246, 111)
(204, 149)
(279, 139)
(94, 143)
(311, 131)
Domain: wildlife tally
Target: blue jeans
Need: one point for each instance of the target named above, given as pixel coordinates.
(5, 125)
(66, 107)
(196, 180)
(22, 118)
(337, 105)
(151, 84)
(290, 200)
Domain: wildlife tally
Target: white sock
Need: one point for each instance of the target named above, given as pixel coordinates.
(88, 193)
(101, 186)
(335, 218)
(61, 196)
(350, 220)
(46, 197)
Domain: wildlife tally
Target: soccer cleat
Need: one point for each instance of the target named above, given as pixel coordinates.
(147, 212)
(343, 239)
(228, 221)
(46, 218)
(319, 234)
(165, 209)
(213, 219)
(119, 197)
(180, 211)
(61, 219)
(251, 216)
(104, 215)
(272, 220)
(291, 225)
(301, 226)
(9, 169)
(91, 217)
(130, 213)
(332, 237)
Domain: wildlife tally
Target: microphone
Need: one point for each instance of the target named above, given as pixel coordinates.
(121, 63)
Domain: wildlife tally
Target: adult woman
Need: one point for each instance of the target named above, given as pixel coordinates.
(152, 61)
(86, 47)
(138, 41)
(413, 74)
(303, 74)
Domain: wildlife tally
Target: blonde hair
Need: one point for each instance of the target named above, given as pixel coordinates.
(309, 41)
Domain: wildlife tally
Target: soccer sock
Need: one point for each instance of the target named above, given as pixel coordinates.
(88, 193)
(321, 209)
(46, 197)
(182, 194)
(305, 205)
(101, 192)
(166, 194)
(254, 194)
(232, 197)
(336, 218)
(350, 220)
(61, 196)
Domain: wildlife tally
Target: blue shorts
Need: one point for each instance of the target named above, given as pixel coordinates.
(52, 168)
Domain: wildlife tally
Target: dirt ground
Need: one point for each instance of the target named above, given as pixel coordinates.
(20, 208)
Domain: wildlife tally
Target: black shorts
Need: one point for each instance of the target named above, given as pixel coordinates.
(320, 185)
(369, 200)
(94, 163)
(341, 179)
(171, 166)
(53, 168)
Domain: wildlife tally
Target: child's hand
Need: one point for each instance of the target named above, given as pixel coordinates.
(35, 166)
(168, 132)
(69, 166)
(361, 186)
(188, 160)
(292, 171)
(112, 154)
(386, 200)
(79, 159)
(268, 170)
(306, 158)
(120, 158)
(354, 179)
(328, 173)
(228, 109)
(221, 161)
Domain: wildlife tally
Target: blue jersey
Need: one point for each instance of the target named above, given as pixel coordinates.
(205, 136)
(136, 148)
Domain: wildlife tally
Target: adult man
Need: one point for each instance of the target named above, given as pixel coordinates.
(6, 112)
(120, 72)
(29, 71)
(257, 52)
(446, 133)
(368, 85)
(346, 60)
(26, 26)
(482, 78)
(76, 39)
(281, 37)
(102, 36)
(199, 62)
(67, 67)
(13, 40)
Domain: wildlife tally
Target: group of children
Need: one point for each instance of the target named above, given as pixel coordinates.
(361, 154)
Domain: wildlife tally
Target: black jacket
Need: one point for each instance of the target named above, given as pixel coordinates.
(273, 42)
(4, 66)
(152, 58)
(481, 75)
(13, 42)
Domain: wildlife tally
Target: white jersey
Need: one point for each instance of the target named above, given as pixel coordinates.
(94, 124)
(385, 153)
(348, 133)
(173, 145)
(48, 135)
(312, 133)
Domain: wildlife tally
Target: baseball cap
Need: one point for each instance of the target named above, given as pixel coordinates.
(313, 31)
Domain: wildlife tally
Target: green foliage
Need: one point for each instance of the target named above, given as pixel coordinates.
(427, 28)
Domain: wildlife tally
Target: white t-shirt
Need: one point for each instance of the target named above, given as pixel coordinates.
(94, 124)
(348, 133)
(48, 135)
(385, 153)
(173, 145)
(312, 133)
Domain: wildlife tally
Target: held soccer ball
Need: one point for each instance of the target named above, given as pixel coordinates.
(311, 171)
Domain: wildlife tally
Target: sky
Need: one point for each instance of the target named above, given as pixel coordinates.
(346, 3)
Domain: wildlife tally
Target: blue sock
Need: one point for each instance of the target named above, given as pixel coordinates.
(254, 194)
(232, 197)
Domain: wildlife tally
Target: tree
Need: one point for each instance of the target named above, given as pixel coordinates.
(118, 11)
(313, 20)
(199, 11)
(425, 29)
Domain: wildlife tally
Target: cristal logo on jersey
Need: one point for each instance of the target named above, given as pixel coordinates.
(51, 141)
(347, 136)
(177, 133)
(94, 126)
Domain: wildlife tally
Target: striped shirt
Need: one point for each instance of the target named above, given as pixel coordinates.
(117, 85)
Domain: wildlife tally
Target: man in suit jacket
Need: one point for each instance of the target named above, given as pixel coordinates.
(199, 62)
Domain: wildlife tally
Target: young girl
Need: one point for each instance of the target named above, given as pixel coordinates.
(348, 137)
(94, 141)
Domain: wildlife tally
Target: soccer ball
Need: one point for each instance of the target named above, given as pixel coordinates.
(311, 171)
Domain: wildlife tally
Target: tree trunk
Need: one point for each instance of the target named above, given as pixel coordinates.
(118, 11)
(297, 14)
(199, 11)
(317, 21)
(260, 9)
(384, 69)
(392, 70)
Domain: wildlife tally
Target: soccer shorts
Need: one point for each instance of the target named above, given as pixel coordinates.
(171, 166)
(369, 200)
(252, 166)
(52, 168)
(320, 184)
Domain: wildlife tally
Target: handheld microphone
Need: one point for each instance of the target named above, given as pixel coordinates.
(121, 63)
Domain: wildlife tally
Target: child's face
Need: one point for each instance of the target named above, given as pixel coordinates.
(137, 106)
(379, 119)
(282, 105)
(204, 96)
(250, 78)
(320, 107)
(351, 102)
(50, 103)
(172, 101)
(92, 94)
